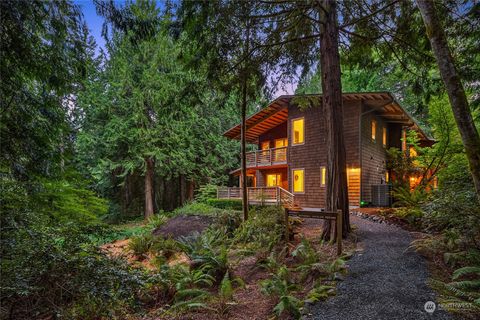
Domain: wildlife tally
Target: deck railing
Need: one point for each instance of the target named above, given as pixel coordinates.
(259, 195)
(267, 157)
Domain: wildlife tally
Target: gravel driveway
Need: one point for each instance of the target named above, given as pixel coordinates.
(384, 281)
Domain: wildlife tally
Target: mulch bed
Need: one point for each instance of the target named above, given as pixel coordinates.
(183, 226)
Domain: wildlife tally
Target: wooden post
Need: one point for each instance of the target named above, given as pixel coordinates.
(339, 224)
(287, 233)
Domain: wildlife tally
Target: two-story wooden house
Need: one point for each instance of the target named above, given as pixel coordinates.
(291, 158)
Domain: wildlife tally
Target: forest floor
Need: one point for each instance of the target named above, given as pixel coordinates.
(388, 280)
(249, 303)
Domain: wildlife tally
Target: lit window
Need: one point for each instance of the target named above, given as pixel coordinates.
(374, 130)
(384, 136)
(265, 145)
(323, 176)
(413, 152)
(298, 131)
(387, 176)
(273, 180)
(298, 180)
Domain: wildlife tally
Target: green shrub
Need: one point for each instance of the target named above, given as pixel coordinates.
(232, 204)
(455, 209)
(46, 265)
(206, 192)
(263, 229)
(156, 221)
(196, 208)
(404, 197)
(208, 250)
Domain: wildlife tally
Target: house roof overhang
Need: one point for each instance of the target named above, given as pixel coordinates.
(262, 121)
(383, 103)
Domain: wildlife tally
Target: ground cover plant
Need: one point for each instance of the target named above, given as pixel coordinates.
(217, 270)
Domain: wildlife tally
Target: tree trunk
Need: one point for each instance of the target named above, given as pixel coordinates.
(454, 87)
(149, 171)
(182, 189)
(243, 178)
(191, 189)
(336, 193)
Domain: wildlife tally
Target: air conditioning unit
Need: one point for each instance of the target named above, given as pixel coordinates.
(382, 195)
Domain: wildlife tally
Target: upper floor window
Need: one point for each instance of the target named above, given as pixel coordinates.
(384, 137)
(298, 131)
(374, 130)
(298, 176)
(265, 145)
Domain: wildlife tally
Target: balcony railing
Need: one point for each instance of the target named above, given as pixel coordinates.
(259, 195)
(268, 157)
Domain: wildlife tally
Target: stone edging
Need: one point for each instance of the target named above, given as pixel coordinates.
(373, 218)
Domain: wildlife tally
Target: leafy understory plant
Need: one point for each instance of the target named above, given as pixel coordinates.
(320, 292)
(225, 293)
(462, 294)
(156, 221)
(141, 244)
(281, 285)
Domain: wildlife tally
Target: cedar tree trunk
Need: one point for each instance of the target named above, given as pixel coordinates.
(455, 91)
(149, 167)
(337, 193)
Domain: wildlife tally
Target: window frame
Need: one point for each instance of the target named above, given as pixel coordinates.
(293, 180)
(292, 132)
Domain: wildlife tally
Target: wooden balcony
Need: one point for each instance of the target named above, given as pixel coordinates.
(259, 195)
(266, 158)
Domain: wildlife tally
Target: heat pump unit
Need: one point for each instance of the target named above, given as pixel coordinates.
(382, 195)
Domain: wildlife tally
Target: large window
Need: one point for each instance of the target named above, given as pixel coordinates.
(298, 176)
(274, 180)
(374, 130)
(323, 176)
(298, 131)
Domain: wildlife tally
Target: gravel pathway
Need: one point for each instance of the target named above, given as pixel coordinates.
(384, 281)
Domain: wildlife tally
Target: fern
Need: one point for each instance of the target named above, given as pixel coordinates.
(466, 270)
(320, 292)
(289, 304)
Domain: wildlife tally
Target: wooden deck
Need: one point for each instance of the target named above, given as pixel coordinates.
(259, 195)
(266, 158)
